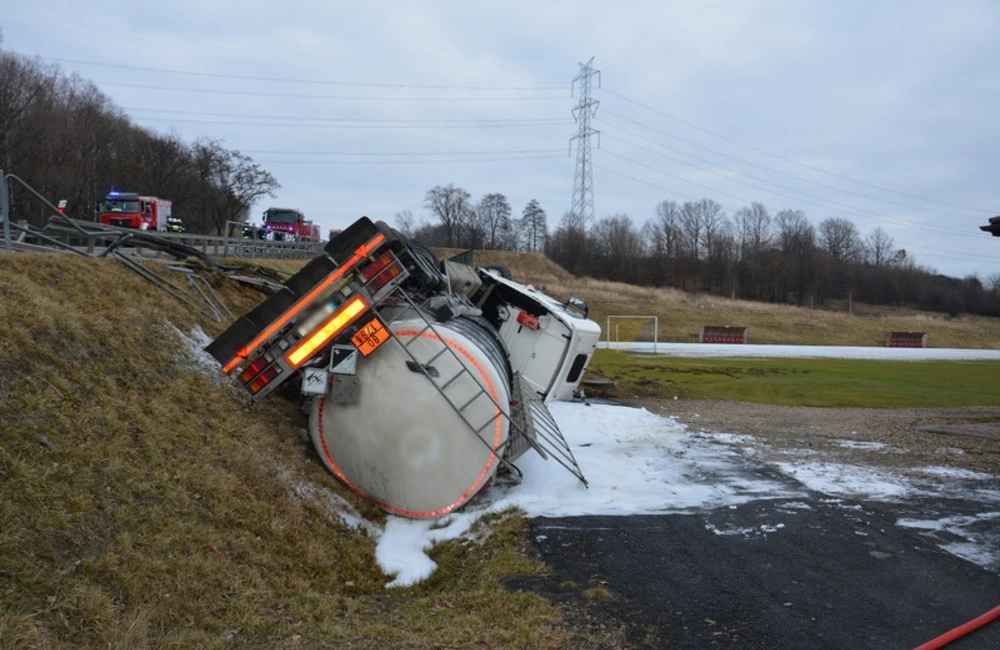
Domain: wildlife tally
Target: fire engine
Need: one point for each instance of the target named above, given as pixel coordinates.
(288, 224)
(424, 378)
(130, 210)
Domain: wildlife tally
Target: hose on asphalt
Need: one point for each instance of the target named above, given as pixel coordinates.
(961, 630)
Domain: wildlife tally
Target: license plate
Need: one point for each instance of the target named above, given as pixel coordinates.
(371, 335)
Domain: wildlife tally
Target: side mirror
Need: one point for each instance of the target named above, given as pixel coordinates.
(579, 305)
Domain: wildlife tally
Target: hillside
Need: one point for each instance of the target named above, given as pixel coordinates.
(142, 505)
(681, 313)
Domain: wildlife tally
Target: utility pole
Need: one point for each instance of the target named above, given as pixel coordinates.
(585, 109)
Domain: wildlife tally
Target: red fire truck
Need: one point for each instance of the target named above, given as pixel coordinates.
(288, 224)
(129, 210)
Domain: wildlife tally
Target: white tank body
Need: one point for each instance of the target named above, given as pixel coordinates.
(402, 445)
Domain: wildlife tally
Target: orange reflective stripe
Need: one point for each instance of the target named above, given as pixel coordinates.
(359, 254)
(330, 328)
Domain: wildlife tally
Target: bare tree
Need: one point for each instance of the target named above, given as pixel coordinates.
(714, 224)
(691, 228)
(752, 229)
(840, 238)
(452, 206)
(534, 226)
(406, 223)
(665, 229)
(878, 247)
(993, 284)
(494, 211)
(795, 233)
(240, 182)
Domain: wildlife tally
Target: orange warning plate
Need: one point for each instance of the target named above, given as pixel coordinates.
(371, 335)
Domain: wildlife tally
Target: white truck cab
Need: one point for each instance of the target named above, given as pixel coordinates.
(549, 343)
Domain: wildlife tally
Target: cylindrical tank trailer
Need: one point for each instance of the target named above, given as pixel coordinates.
(425, 377)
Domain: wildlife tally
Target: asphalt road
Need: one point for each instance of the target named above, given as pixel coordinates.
(768, 574)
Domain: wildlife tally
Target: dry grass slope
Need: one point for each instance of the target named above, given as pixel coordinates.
(142, 506)
(681, 313)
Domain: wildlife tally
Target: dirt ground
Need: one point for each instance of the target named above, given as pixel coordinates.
(783, 430)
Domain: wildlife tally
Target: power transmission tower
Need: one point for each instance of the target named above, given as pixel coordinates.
(585, 109)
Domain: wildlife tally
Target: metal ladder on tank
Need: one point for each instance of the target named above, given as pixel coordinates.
(522, 435)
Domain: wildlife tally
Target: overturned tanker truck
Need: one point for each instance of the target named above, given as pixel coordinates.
(426, 377)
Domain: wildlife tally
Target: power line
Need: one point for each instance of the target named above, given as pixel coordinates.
(787, 159)
(248, 93)
(716, 191)
(319, 82)
(341, 126)
(525, 120)
(674, 176)
(857, 212)
(942, 253)
(753, 164)
(406, 153)
(403, 162)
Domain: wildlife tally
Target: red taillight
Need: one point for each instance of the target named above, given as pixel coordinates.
(380, 272)
(529, 321)
(369, 271)
(254, 368)
(384, 278)
(264, 379)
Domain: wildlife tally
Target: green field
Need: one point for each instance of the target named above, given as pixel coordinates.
(803, 382)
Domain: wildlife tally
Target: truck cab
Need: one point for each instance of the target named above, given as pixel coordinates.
(283, 224)
(130, 210)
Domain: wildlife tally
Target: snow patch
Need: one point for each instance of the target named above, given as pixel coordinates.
(194, 343)
(864, 446)
(952, 472)
(807, 351)
(731, 438)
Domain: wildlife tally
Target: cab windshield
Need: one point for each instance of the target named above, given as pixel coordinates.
(281, 216)
(121, 205)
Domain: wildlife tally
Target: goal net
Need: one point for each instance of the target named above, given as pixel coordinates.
(625, 330)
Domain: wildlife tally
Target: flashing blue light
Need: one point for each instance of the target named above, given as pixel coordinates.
(114, 193)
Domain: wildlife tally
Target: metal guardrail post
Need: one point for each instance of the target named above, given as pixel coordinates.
(5, 212)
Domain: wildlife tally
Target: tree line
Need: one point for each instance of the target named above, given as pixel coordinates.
(487, 223)
(751, 254)
(69, 140)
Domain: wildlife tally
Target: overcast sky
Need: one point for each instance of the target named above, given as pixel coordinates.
(808, 97)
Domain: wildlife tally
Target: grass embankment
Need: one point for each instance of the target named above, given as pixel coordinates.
(681, 314)
(803, 382)
(142, 506)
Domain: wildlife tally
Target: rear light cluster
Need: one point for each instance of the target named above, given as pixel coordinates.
(264, 379)
(381, 272)
(254, 368)
(254, 377)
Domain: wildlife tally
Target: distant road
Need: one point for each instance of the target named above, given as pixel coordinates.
(807, 351)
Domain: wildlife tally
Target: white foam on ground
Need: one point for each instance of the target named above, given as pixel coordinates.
(636, 463)
(980, 532)
(853, 481)
(805, 351)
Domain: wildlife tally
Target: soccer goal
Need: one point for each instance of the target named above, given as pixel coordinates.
(633, 327)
